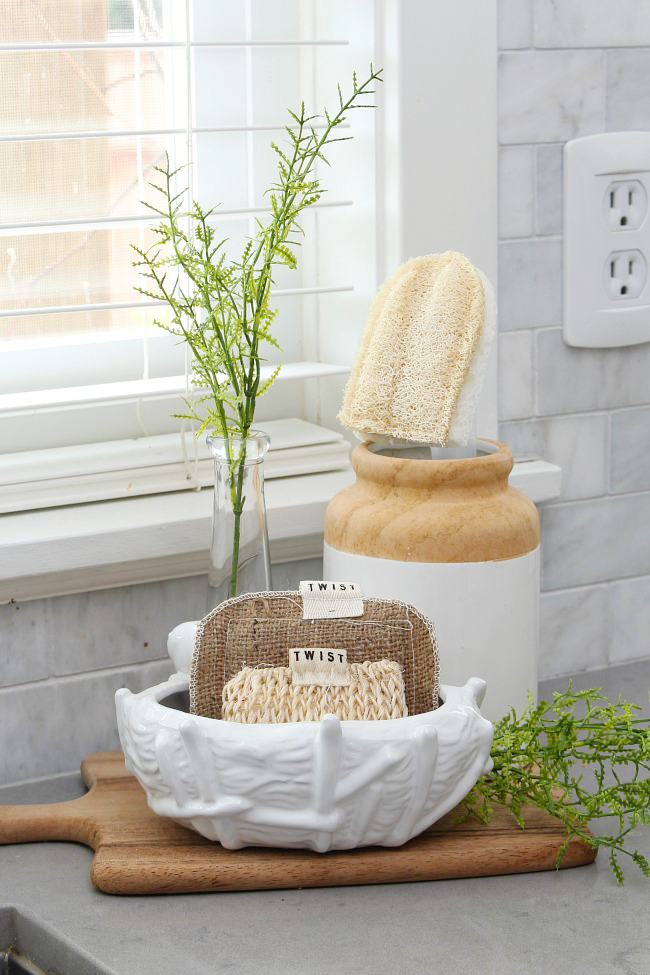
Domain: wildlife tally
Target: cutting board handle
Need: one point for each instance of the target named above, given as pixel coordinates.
(52, 821)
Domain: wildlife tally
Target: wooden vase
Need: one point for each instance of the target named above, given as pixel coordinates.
(455, 540)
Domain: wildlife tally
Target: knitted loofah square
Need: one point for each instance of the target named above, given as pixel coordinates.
(258, 630)
(269, 695)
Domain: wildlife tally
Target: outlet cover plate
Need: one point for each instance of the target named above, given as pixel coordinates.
(594, 316)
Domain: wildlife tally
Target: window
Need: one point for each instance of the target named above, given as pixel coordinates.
(98, 91)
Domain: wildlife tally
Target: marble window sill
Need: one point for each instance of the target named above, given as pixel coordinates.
(79, 548)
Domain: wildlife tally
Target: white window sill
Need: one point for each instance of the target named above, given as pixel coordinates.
(115, 543)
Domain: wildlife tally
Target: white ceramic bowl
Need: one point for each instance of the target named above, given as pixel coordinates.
(323, 785)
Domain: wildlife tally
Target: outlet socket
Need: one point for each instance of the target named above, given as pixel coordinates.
(625, 275)
(607, 240)
(625, 204)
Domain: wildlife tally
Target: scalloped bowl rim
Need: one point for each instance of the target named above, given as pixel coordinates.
(179, 683)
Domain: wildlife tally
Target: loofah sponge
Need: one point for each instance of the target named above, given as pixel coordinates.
(422, 357)
(375, 692)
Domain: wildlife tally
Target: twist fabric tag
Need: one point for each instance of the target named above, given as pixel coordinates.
(325, 666)
(330, 600)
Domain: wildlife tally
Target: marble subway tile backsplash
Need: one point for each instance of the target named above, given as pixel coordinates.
(62, 659)
(113, 627)
(574, 630)
(49, 727)
(630, 450)
(550, 96)
(516, 191)
(588, 410)
(627, 105)
(515, 375)
(288, 575)
(630, 619)
(108, 628)
(24, 642)
(530, 283)
(591, 23)
(570, 69)
(590, 627)
(578, 444)
(595, 541)
(548, 190)
(580, 380)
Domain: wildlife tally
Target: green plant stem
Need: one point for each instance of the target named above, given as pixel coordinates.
(540, 758)
(222, 309)
(237, 507)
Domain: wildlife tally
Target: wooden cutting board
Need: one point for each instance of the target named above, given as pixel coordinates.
(138, 852)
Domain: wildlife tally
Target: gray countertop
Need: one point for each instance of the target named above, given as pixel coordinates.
(572, 922)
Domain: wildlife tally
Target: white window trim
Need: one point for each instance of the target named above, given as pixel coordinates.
(109, 471)
(117, 543)
(440, 177)
(142, 389)
(165, 536)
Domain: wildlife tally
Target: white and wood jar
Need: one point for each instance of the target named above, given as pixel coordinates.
(455, 540)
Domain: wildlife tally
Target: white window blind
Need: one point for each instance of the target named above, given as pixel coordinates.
(96, 91)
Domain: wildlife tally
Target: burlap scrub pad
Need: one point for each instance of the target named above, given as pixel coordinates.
(422, 357)
(258, 630)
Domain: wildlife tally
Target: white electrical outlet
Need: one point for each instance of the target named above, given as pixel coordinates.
(626, 204)
(607, 240)
(626, 275)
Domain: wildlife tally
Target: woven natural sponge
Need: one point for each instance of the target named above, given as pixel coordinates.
(423, 354)
(268, 695)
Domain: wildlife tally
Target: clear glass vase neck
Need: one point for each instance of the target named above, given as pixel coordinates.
(230, 449)
(239, 551)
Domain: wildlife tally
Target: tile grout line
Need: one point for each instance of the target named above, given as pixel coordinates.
(595, 585)
(57, 679)
(598, 498)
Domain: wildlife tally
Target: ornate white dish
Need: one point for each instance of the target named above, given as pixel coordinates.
(327, 785)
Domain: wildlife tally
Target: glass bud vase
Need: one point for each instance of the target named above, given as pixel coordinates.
(239, 551)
